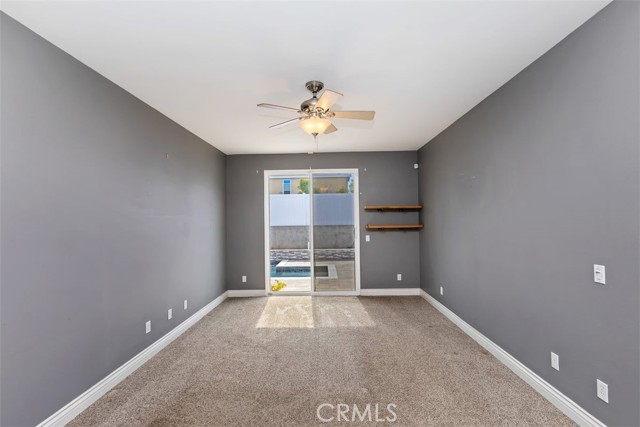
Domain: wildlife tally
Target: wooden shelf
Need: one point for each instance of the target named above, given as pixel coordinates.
(394, 227)
(393, 208)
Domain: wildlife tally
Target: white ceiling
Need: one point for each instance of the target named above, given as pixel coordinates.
(420, 65)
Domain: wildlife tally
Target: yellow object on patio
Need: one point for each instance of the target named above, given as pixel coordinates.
(278, 286)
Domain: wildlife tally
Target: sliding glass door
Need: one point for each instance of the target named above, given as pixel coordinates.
(289, 236)
(334, 232)
(311, 238)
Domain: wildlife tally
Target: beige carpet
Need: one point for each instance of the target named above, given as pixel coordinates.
(273, 361)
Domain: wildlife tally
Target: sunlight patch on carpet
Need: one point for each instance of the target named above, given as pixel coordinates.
(314, 312)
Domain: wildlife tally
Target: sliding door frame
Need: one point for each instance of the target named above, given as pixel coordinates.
(267, 224)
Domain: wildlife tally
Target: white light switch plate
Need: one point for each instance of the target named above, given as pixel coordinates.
(599, 275)
(555, 361)
(603, 391)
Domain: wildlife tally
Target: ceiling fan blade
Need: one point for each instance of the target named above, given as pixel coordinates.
(330, 129)
(327, 99)
(358, 115)
(277, 107)
(283, 124)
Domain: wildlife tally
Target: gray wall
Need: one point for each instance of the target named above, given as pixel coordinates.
(389, 178)
(100, 231)
(530, 189)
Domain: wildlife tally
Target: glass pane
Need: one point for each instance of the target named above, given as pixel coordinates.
(289, 223)
(334, 231)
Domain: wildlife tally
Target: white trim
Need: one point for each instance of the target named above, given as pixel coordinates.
(356, 219)
(549, 392)
(390, 292)
(312, 248)
(241, 293)
(82, 402)
(267, 236)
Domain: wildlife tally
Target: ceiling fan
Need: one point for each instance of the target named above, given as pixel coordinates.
(316, 112)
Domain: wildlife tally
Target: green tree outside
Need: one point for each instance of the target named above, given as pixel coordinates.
(303, 186)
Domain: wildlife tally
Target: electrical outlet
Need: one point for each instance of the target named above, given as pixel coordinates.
(185, 304)
(367, 238)
(147, 327)
(170, 314)
(399, 277)
(441, 290)
(244, 279)
(599, 274)
(555, 361)
(603, 391)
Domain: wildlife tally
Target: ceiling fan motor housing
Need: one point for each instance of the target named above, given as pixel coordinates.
(309, 104)
(314, 86)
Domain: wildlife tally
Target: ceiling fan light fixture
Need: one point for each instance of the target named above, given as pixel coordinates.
(315, 125)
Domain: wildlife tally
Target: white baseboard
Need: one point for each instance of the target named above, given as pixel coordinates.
(549, 392)
(241, 293)
(389, 292)
(82, 402)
